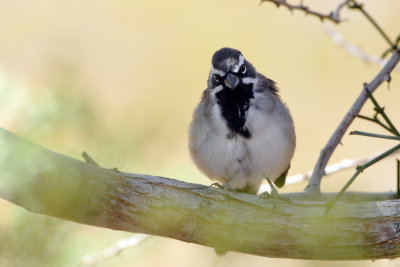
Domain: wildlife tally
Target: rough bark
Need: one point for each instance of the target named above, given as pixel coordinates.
(367, 226)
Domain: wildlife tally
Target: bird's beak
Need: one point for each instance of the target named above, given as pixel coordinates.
(231, 81)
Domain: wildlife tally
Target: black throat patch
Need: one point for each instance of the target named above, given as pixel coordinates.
(234, 105)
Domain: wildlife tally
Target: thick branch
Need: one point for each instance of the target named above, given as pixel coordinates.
(46, 182)
(327, 151)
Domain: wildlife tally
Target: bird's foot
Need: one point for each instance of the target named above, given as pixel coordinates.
(226, 187)
(266, 195)
(274, 193)
(220, 186)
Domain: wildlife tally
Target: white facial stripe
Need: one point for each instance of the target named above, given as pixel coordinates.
(238, 65)
(241, 60)
(230, 61)
(249, 80)
(215, 71)
(215, 91)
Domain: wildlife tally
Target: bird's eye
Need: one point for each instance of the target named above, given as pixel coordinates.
(243, 69)
(217, 78)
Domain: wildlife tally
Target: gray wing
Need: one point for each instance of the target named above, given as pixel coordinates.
(266, 84)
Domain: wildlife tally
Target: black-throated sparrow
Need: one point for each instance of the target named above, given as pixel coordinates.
(241, 132)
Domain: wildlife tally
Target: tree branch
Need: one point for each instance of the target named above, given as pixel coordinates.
(353, 4)
(355, 50)
(100, 257)
(327, 151)
(46, 182)
(344, 164)
(332, 16)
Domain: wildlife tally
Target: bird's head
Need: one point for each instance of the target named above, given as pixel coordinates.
(229, 69)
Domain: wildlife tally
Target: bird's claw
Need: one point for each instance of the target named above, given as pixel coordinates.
(220, 186)
(226, 187)
(274, 193)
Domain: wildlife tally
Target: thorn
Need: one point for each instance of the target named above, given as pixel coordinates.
(89, 159)
(388, 79)
(379, 110)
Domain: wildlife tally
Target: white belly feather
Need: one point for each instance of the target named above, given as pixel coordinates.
(240, 161)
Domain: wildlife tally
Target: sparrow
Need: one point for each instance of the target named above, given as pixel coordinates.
(241, 131)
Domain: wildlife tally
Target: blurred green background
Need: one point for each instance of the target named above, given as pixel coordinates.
(120, 79)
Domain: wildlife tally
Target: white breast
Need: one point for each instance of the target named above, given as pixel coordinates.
(240, 161)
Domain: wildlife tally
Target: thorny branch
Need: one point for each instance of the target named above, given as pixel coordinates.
(327, 151)
(381, 111)
(395, 136)
(332, 16)
(383, 75)
(354, 5)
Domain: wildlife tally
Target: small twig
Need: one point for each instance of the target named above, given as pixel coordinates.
(355, 50)
(398, 40)
(327, 151)
(376, 120)
(380, 110)
(342, 165)
(375, 135)
(117, 248)
(360, 169)
(332, 16)
(335, 14)
(89, 159)
(398, 178)
(353, 4)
